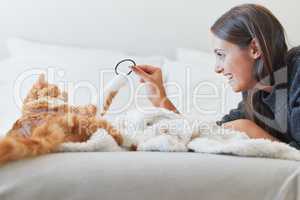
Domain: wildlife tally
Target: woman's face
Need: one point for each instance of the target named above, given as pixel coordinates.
(234, 63)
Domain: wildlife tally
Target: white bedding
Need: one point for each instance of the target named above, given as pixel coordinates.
(162, 130)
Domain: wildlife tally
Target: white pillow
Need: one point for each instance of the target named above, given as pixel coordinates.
(8, 110)
(82, 72)
(201, 66)
(60, 54)
(197, 90)
(84, 84)
(194, 56)
(18, 47)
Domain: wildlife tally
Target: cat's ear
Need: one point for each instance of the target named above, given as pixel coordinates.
(42, 79)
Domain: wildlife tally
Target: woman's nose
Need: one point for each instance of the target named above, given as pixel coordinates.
(219, 69)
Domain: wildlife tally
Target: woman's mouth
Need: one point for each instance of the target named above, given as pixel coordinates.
(229, 78)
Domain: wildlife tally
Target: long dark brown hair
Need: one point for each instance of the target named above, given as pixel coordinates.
(243, 23)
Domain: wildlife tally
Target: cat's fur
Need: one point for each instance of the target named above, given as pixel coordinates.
(47, 121)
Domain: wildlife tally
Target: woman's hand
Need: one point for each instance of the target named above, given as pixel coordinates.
(250, 128)
(152, 76)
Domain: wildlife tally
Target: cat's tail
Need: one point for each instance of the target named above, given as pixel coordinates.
(111, 130)
(17, 147)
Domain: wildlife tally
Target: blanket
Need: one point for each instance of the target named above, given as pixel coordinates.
(162, 130)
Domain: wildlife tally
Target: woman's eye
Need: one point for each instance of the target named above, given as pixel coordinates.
(220, 54)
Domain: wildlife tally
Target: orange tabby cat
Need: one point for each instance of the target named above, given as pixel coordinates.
(47, 121)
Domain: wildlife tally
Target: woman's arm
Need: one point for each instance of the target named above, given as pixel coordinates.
(250, 128)
(167, 104)
(152, 76)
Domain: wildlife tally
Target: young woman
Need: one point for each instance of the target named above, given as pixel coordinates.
(251, 51)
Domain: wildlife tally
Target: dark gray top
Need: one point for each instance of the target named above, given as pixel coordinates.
(281, 107)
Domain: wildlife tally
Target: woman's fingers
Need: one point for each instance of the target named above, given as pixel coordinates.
(141, 73)
(148, 68)
(152, 75)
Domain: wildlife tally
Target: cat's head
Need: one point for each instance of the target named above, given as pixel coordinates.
(44, 96)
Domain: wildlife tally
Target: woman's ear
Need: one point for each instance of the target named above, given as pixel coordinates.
(255, 50)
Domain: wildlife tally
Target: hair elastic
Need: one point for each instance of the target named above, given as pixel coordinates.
(125, 60)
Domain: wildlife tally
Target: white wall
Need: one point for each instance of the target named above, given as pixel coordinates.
(136, 26)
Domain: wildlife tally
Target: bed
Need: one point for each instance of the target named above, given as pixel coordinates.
(112, 25)
(134, 175)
